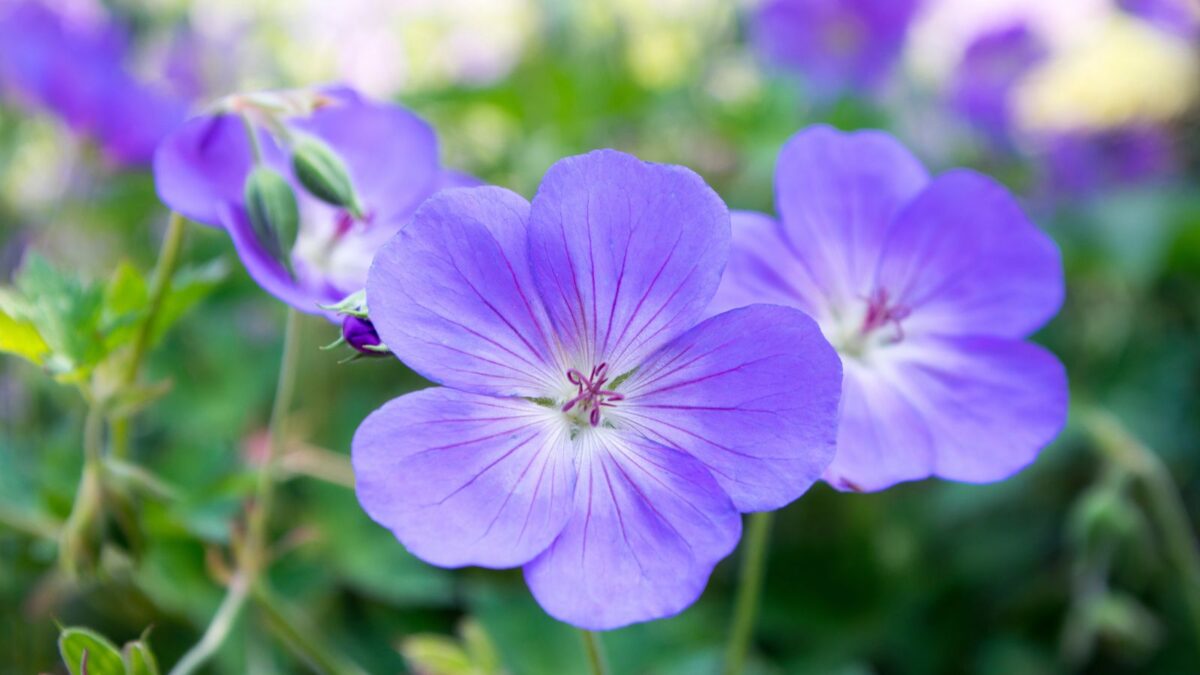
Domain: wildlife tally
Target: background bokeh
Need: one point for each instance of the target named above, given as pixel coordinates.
(1085, 108)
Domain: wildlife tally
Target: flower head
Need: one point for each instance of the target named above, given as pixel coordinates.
(74, 66)
(389, 154)
(928, 289)
(588, 428)
(837, 45)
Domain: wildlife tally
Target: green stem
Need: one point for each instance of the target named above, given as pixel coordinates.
(1164, 505)
(745, 613)
(595, 654)
(300, 637)
(34, 525)
(164, 272)
(253, 557)
(218, 629)
(73, 543)
(264, 493)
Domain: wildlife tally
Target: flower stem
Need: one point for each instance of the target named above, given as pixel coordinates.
(252, 559)
(218, 629)
(264, 492)
(745, 613)
(1164, 505)
(160, 285)
(595, 654)
(88, 498)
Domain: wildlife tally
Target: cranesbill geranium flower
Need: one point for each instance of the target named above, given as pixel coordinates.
(838, 45)
(928, 289)
(390, 154)
(588, 428)
(75, 66)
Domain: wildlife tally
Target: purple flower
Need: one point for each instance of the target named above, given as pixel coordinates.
(390, 154)
(361, 335)
(75, 68)
(1181, 17)
(928, 289)
(1087, 162)
(588, 428)
(837, 45)
(983, 82)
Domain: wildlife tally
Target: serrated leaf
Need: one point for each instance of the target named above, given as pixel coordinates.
(139, 659)
(124, 306)
(21, 338)
(102, 658)
(66, 313)
(188, 287)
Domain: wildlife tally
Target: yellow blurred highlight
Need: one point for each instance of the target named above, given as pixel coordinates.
(1125, 72)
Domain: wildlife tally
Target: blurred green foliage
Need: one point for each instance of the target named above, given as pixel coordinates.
(1057, 569)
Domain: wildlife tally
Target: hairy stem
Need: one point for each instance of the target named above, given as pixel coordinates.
(1163, 503)
(595, 654)
(160, 285)
(745, 613)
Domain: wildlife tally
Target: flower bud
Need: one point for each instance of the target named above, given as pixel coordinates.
(271, 205)
(322, 172)
(360, 334)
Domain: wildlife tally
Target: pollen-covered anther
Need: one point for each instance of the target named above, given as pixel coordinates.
(591, 395)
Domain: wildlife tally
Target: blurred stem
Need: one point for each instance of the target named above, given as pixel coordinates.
(1164, 505)
(745, 613)
(33, 525)
(218, 629)
(595, 654)
(164, 272)
(285, 389)
(253, 556)
(300, 637)
(86, 509)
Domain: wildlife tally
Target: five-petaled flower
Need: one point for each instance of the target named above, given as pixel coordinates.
(928, 288)
(390, 154)
(588, 428)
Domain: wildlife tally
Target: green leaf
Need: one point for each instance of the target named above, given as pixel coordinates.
(21, 338)
(189, 286)
(102, 656)
(125, 303)
(431, 654)
(139, 660)
(66, 313)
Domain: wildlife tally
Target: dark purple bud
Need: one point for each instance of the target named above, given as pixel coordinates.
(360, 334)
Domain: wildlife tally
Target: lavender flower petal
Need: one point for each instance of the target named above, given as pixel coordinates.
(965, 260)
(650, 524)
(463, 479)
(751, 393)
(763, 268)
(837, 194)
(625, 254)
(974, 409)
(203, 165)
(451, 295)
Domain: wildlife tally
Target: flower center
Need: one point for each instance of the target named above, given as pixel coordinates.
(591, 395)
(879, 325)
(344, 221)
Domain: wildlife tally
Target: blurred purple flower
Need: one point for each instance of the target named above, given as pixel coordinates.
(392, 157)
(76, 69)
(928, 289)
(1087, 162)
(982, 85)
(837, 45)
(1181, 17)
(588, 428)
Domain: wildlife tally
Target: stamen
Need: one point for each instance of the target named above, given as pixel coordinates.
(591, 395)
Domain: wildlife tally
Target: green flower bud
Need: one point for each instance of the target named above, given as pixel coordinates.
(322, 172)
(274, 215)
